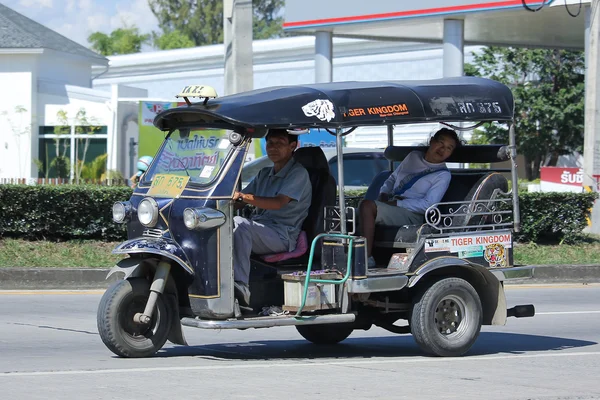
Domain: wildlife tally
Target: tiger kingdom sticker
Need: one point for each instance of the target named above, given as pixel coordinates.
(322, 109)
(495, 255)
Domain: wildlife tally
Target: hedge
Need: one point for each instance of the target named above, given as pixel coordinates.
(552, 217)
(85, 212)
(61, 212)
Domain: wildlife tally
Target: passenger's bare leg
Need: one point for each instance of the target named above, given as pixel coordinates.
(368, 212)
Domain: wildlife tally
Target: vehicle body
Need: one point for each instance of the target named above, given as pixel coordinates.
(361, 165)
(444, 277)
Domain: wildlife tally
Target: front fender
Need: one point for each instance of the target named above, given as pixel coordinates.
(138, 268)
(160, 246)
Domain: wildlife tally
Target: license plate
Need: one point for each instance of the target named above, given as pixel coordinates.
(166, 185)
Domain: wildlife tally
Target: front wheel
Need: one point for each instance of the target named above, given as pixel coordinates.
(326, 333)
(446, 318)
(124, 337)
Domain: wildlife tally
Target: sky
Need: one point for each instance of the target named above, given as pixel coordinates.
(77, 19)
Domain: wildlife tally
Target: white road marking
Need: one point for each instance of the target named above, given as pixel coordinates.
(567, 312)
(250, 365)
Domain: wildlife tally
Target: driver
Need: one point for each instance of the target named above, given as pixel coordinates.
(281, 195)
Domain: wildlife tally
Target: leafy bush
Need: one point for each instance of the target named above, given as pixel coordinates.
(85, 212)
(61, 212)
(554, 216)
(548, 217)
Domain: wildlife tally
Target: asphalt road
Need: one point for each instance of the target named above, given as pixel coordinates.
(50, 349)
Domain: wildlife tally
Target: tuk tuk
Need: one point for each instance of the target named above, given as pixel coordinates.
(444, 278)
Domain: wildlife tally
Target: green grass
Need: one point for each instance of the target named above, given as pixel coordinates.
(534, 254)
(88, 253)
(23, 253)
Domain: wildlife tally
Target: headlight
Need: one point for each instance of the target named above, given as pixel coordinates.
(121, 210)
(148, 212)
(202, 218)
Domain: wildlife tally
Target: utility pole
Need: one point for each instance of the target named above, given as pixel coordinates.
(237, 31)
(591, 145)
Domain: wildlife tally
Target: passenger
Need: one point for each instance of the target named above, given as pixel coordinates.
(420, 181)
(282, 196)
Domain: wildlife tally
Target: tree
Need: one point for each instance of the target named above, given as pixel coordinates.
(548, 87)
(126, 40)
(202, 20)
(171, 40)
(268, 22)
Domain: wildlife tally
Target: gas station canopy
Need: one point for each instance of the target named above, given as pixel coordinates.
(485, 22)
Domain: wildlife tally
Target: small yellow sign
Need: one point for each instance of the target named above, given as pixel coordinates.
(166, 185)
(198, 91)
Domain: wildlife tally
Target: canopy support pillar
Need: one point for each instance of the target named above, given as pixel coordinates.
(323, 57)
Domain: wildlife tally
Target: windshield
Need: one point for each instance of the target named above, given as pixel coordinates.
(197, 153)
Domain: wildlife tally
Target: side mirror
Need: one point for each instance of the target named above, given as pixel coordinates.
(235, 138)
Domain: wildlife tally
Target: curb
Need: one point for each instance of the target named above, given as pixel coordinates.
(95, 278)
(588, 273)
(54, 278)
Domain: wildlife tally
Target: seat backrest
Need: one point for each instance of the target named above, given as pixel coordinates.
(486, 188)
(375, 186)
(323, 188)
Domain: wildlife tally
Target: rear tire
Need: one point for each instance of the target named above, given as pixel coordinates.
(326, 333)
(121, 301)
(446, 318)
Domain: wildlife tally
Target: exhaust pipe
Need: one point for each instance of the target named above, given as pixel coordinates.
(522, 311)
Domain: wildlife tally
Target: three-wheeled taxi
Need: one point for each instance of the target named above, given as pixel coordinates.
(444, 278)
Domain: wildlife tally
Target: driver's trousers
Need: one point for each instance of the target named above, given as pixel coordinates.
(252, 237)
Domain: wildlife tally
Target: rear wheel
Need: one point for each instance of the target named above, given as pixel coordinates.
(325, 334)
(446, 318)
(124, 337)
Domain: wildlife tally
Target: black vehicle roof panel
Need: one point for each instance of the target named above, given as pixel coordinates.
(348, 104)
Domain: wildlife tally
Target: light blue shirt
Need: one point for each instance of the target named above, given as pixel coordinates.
(427, 191)
(292, 181)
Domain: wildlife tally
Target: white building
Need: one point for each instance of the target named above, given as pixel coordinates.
(286, 61)
(44, 73)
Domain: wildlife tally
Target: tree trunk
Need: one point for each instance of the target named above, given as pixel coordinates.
(535, 170)
(553, 159)
(532, 167)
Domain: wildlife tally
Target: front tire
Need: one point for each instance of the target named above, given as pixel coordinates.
(446, 318)
(121, 301)
(325, 334)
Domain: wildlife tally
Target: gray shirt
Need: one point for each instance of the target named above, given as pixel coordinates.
(292, 181)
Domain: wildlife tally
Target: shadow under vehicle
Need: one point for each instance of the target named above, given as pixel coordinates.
(444, 278)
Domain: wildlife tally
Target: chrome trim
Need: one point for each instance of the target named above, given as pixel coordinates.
(153, 232)
(267, 322)
(127, 212)
(493, 207)
(155, 211)
(340, 164)
(506, 274)
(205, 218)
(332, 219)
(377, 284)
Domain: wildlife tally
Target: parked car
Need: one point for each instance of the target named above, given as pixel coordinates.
(361, 165)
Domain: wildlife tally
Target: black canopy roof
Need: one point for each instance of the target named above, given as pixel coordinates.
(348, 104)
